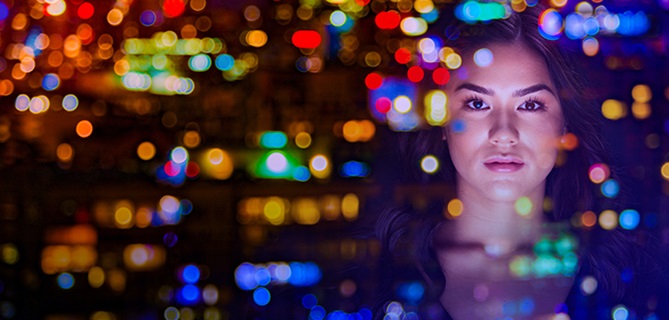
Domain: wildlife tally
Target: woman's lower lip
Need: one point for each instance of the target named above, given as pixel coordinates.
(504, 167)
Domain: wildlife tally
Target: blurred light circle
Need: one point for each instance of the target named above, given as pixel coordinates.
(429, 164)
(70, 102)
(84, 128)
(261, 296)
(277, 162)
(50, 82)
(147, 18)
(483, 57)
(65, 280)
(224, 62)
(588, 285)
(610, 188)
(337, 18)
(191, 274)
(179, 155)
(629, 219)
(22, 102)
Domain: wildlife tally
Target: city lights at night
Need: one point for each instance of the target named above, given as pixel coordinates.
(334, 159)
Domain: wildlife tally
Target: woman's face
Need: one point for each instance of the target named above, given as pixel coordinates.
(506, 121)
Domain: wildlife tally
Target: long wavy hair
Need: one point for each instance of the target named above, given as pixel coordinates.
(603, 253)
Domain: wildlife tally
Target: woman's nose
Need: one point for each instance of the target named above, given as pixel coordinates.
(503, 131)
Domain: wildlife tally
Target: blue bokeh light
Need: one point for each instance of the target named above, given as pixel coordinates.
(65, 280)
(147, 18)
(629, 219)
(191, 274)
(610, 188)
(354, 169)
(245, 276)
(309, 301)
(262, 276)
(50, 82)
(261, 296)
(301, 173)
(188, 294)
(317, 313)
(224, 62)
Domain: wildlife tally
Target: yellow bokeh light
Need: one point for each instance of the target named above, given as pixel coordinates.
(56, 8)
(351, 131)
(96, 277)
(123, 218)
(64, 152)
(423, 6)
(454, 208)
(198, 5)
(613, 109)
(218, 164)
(256, 38)
(146, 150)
(436, 112)
(305, 211)
(115, 17)
(20, 21)
(608, 219)
(274, 210)
(303, 140)
(641, 110)
(10, 254)
(117, 279)
(665, 171)
(84, 128)
(350, 205)
(192, 139)
(642, 93)
(320, 167)
(330, 207)
(523, 206)
(558, 3)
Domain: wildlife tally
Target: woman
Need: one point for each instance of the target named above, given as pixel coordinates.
(511, 104)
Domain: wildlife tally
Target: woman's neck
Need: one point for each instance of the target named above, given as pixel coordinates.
(500, 223)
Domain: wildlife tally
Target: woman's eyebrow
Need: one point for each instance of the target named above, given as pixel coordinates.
(475, 88)
(533, 89)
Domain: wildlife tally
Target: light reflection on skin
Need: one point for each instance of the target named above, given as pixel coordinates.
(513, 121)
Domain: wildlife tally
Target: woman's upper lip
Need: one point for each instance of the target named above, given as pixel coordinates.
(504, 159)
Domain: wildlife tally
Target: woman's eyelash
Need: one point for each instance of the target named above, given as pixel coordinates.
(468, 100)
(539, 105)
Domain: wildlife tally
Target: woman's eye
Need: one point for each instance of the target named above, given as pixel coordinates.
(531, 105)
(477, 104)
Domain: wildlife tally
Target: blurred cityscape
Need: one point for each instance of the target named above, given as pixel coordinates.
(223, 159)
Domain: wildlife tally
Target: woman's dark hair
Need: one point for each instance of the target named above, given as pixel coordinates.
(605, 254)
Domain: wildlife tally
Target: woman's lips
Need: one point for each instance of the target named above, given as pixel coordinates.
(504, 167)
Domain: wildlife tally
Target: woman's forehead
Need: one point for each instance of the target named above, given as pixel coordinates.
(502, 64)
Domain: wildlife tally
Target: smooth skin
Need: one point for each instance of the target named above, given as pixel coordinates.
(509, 124)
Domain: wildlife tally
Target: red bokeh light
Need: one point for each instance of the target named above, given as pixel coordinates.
(174, 8)
(171, 169)
(387, 20)
(383, 105)
(192, 169)
(373, 81)
(85, 10)
(362, 3)
(415, 74)
(403, 55)
(441, 76)
(306, 39)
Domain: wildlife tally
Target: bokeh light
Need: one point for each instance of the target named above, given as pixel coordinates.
(429, 164)
(84, 128)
